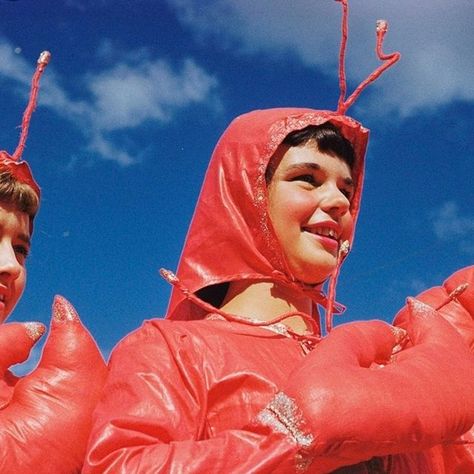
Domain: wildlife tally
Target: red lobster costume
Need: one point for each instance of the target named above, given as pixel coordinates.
(209, 392)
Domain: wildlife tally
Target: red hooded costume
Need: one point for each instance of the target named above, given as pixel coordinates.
(204, 395)
(206, 391)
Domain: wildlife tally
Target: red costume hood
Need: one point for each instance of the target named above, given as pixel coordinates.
(231, 237)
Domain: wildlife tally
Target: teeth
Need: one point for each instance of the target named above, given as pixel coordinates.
(325, 232)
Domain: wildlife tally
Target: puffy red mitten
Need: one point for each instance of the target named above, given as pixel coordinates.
(352, 409)
(459, 310)
(45, 426)
(16, 341)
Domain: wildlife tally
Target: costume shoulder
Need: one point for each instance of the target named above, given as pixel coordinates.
(163, 338)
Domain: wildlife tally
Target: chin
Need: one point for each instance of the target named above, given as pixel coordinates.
(312, 277)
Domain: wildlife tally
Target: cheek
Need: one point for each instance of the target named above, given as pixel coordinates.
(348, 226)
(288, 205)
(20, 284)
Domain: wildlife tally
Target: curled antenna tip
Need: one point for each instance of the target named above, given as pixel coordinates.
(382, 25)
(168, 275)
(44, 57)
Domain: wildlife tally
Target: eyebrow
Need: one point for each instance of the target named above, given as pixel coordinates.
(304, 166)
(316, 167)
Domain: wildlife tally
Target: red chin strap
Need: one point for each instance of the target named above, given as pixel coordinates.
(20, 169)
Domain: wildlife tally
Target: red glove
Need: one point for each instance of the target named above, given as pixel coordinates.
(353, 410)
(16, 341)
(459, 311)
(46, 423)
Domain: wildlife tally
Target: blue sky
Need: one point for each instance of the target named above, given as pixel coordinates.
(138, 93)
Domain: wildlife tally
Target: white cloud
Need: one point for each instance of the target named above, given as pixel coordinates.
(450, 226)
(435, 39)
(127, 95)
(100, 145)
(134, 90)
(12, 66)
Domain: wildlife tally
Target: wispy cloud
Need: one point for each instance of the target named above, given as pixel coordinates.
(135, 89)
(435, 39)
(127, 95)
(450, 226)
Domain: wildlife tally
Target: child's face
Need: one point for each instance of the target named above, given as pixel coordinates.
(309, 198)
(14, 248)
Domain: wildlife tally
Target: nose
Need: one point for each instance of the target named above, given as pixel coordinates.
(334, 202)
(10, 267)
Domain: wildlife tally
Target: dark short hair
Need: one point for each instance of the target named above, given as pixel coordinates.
(327, 138)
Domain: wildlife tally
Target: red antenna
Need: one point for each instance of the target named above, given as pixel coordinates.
(388, 61)
(342, 106)
(43, 61)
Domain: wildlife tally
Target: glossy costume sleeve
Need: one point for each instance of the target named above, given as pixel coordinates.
(152, 417)
(358, 410)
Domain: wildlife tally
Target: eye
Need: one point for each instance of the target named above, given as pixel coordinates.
(306, 178)
(22, 252)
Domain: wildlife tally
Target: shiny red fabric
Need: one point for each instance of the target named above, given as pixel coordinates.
(403, 405)
(196, 393)
(20, 170)
(231, 237)
(45, 416)
(189, 397)
(456, 457)
(459, 312)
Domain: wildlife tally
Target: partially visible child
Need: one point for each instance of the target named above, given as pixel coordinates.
(45, 416)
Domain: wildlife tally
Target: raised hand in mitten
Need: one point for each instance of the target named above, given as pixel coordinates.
(352, 399)
(45, 426)
(454, 301)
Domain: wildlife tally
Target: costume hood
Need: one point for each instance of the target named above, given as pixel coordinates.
(231, 237)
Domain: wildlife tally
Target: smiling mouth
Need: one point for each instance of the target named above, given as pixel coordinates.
(323, 232)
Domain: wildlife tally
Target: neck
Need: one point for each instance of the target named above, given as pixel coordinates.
(265, 301)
